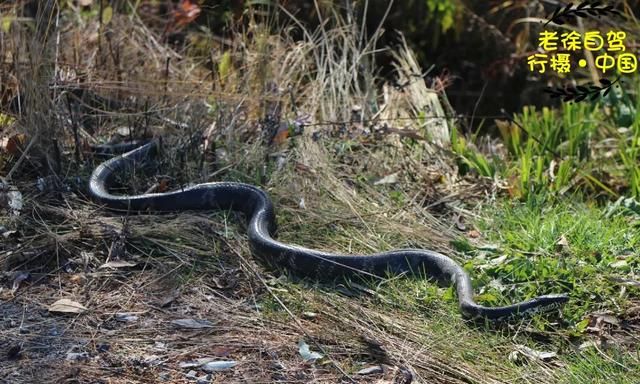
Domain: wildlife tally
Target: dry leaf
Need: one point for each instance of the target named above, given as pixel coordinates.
(169, 298)
(221, 351)
(163, 185)
(618, 264)
(77, 356)
(562, 242)
(185, 13)
(192, 324)
(67, 306)
(281, 136)
(11, 200)
(14, 144)
(126, 317)
(474, 234)
(196, 363)
(309, 315)
(218, 366)
(305, 352)
(19, 278)
(124, 131)
(389, 179)
(107, 15)
(376, 369)
(531, 354)
(115, 264)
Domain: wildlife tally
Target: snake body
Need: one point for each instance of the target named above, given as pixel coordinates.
(257, 207)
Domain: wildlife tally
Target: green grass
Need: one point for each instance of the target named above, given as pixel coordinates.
(597, 367)
(424, 314)
(556, 246)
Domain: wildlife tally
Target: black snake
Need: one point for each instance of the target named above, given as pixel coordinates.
(257, 207)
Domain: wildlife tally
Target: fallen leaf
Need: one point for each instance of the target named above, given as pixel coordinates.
(474, 233)
(196, 363)
(107, 15)
(6, 233)
(562, 242)
(124, 131)
(115, 264)
(67, 306)
(77, 278)
(151, 360)
(19, 278)
(305, 352)
(633, 312)
(14, 144)
(309, 315)
(389, 179)
(12, 201)
(126, 317)
(192, 324)
(218, 366)
(303, 168)
(191, 375)
(75, 356)
(606, 318)
(497, 284)
(281, 136)
(370, 370)
(163, 185)
(5, 23)
(169, 298)
(619, 264)
(221, 351)
(531, 354)
(498, 260)
(185, 13)
(489, 247)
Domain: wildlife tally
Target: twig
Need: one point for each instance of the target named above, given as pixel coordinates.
(22, 157)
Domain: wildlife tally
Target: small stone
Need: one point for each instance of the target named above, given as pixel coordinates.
(191, 374)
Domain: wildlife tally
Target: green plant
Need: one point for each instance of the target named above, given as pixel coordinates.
(470, 158)
(444, 11)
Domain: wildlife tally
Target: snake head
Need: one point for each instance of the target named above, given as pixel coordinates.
(547, 303)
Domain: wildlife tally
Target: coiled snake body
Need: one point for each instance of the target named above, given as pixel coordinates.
(257, 207)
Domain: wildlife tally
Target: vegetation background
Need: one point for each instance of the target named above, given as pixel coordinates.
(374, 125)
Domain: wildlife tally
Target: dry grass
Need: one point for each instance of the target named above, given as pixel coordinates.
(192, 265)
